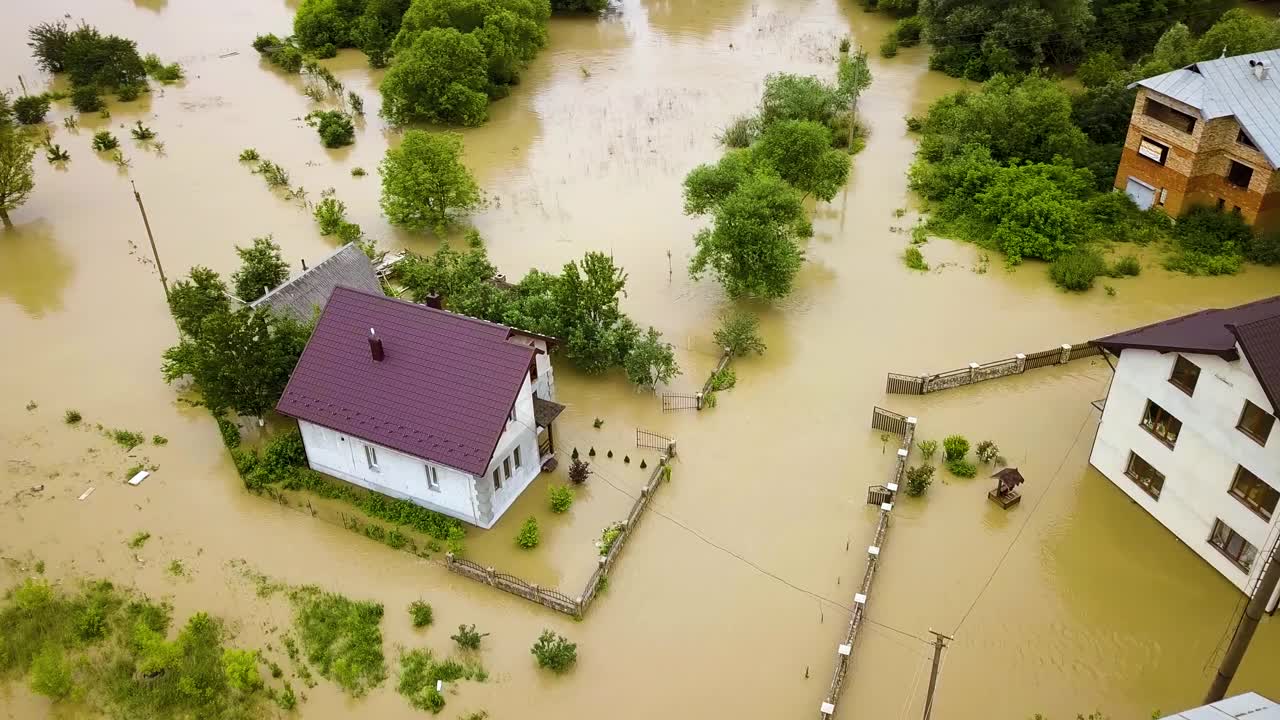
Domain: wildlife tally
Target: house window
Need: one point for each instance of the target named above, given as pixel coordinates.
(1160, 423)
(1245, 141)
(1222, 203)
(506, 468)
(516, 456)
(1185, 374)
(371, 456)
(1175, 119)
(497, 481)
(512, 416)
(1239, 174)
(1256, 422)
(1152, 150)
(1237, 549)
(1147, 477)
(1253, 492)
(433, 479)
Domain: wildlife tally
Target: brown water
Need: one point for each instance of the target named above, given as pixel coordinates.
(1095, 606)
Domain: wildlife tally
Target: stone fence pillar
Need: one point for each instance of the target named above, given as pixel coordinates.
(973, 372)
(1022, 362)
(1066, 354)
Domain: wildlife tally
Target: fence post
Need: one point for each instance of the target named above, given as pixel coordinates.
(1066, 354)
(698, 399)
(973, 372)
(448, 557)
(1022, 362)
(489, 576)
(671, 449)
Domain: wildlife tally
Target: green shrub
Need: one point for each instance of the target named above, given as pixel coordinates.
(287, 58)
(341, 638)
(1198, 263)
(987, 451)
(419, 673)
(739, 333)
(889, 46)
(918, 479)
(528, 536)
(71, 417)
(130, 92)
(726, 379)
(160, 71)
(249, 155)
(554, 652)
(31, 109)
(962, 468)
(1126, 266)
(927, 448)
(142, 132)
(1075, 270)
(1264, 248)
(467, 637)
(908, 30)
(740, 133)
(51, 674)
(579, 471)
(330, 213)
(609, 536)
(914, 258)
(159, 440)
(230, 433)
(420, 612)
(1209, 231)
(103, 140)
(241, 669)
(955, 447)
(335, 128)
(358, 172)
(85, 99)
(845, 44)
(139, 539)
(126, 439)
(264, 43)
(349, 232)
(561, 498)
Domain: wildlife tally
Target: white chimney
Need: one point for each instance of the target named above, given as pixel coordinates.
(1261, 69)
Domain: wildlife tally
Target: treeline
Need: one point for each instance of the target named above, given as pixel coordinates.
(977, 40)
(579, 306)
(1026, 168)
(95, 63)
(776, 159)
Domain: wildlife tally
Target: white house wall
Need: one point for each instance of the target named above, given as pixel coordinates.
(521, 433)
(1199, 470)
(398, 475)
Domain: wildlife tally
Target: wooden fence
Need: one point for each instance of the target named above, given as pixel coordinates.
(554, 599)
(899, 384)
(844, 652)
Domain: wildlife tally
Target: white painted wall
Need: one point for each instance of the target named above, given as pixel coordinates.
(521, 433)
(1200, 468)
(398, 475)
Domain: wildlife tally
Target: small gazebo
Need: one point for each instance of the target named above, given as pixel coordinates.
(1005, 493)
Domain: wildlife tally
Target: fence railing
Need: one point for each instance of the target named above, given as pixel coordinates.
(844, 652)
(550, 597)
(724, 362)
(696, 401)
(900, 384)
(890, 421)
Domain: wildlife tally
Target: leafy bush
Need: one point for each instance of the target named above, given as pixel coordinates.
(351, 232)
(650, 361)
(1198, 263)
(987, 451)
(261, 268)
(889, 46)
(287, 58)
(918, 479)
(962, 468)
(441, 77)
(467, 637)
(927, 448)
(724, 380)
(341, 638)
(249, 155)
(51, 674)
(160, 71)
(740, 133)
(1126, 266)
(264, 43)
(103, 140)
(230, 433)
(420, 612)
(909, 30)
(330, 214)
(31, 109)
(1210, 242)
(955, 447)
(358, 172)
(420, 672)
(529, 535)
(579, 471)
(71, 417)
(561, 498)
(914, 258)
(139, 539)
(739, 333)
(126, 439)
(142, 132)
(554, 652)
(1264, 248)
(86, 99)
(408, 199)
(241, 669)
(1075, 270)
(609, 536)
(335, 128)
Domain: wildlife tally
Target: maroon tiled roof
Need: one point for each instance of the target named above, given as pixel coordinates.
(1260, 341)
(442, 392)
(1204, 332)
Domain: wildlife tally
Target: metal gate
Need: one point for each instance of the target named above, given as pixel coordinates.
(671, 401)
(888, 421)
(898, 384)
(646, 439)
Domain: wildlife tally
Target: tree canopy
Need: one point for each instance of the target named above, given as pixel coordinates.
(261, 269)
(424, 183)
(17, 176)
(439, 78)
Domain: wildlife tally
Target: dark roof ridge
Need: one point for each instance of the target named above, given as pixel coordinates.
(1260, 341)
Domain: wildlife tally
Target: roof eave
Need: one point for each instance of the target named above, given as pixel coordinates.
(1273, 394)
(1116, 346)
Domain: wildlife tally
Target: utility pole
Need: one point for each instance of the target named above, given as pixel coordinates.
(1248, 624)
(939, 642)
(154, 253)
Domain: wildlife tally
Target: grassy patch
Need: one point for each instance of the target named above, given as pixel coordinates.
(420, 612)
(419, 671)
(126, 439)
(139, 539)
(72, 417)
(341, 638)
(914, 259)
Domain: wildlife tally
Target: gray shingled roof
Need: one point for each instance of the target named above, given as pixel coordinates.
(1228, 86)
(299, 297)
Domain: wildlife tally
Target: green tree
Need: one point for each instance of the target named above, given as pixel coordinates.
(17, 176)
(1175, 48)
(739, 333)
(48, 42)
(335, 127)
(752, 244)
(800, 152)
(325, 22)
(706, 186)
(798, 97)
(554, 652)
(463, 279)
(194, 299)
(107, 61)
(509, 32)
(1238, 32)
(424, 182)
(439, 78)
(651, 361)
(596, 334)
(1037, 210)
(262, 268)
(31, 109)
(988, 37)
(1103, 112)
(578, 6)
(853, 75)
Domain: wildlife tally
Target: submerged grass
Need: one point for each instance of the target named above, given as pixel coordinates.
(419, 672)
(341, 638)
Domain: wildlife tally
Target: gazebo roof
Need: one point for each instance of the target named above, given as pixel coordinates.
(1010, 477)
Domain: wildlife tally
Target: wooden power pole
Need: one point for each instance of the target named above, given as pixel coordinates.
(939, 642)
(1248, 624)
(154, 253)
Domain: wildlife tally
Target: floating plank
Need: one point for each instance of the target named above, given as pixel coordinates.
(137, 479)
(86, 493)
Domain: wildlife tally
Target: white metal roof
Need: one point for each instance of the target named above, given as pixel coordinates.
(1229, 86)
(1248, 706)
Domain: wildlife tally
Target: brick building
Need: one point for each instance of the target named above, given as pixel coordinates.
(1208, 134)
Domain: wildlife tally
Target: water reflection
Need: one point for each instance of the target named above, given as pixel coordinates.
(698, 18)
(34, 270)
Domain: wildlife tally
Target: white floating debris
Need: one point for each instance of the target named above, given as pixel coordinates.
(137, 479)
(86, 493)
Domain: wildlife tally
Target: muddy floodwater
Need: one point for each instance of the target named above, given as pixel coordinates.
(1073, 601)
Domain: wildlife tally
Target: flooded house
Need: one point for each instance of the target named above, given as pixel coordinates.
(1207, 134)
(1188, 431)
(304, 295)
(452, 413)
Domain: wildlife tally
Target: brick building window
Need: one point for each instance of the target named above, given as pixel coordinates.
(1175, 119)
(1239, 174)
(1153, 151)
(1245, 141)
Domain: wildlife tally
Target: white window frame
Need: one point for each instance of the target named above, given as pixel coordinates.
(433, 478)
(506, 468)
(371, 457)
(497, 481)
(515, 454)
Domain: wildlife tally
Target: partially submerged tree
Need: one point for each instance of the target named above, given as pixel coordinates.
(800, 152)
(261, 269)
(651, 361)
(424, 183)
(739, 334)
(193, 299)
(440, 77)
(17, 176)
